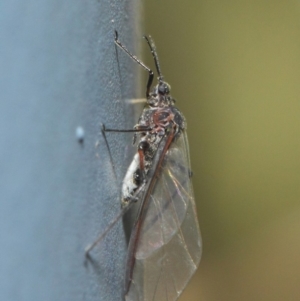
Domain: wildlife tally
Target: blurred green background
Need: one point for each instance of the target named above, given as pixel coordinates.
(234, 68)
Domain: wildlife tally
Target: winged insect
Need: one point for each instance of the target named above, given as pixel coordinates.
(165, 244)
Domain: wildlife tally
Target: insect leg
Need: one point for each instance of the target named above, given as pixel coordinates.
(104, 130)
(151, 74)
(136, 101)
(137, 129)
(109, 152)
(132, 201)
(110, 226)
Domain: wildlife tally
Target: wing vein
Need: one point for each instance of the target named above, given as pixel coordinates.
(177, 184)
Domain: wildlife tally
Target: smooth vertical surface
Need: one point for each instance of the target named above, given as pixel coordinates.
(234, 69)
(60, 71)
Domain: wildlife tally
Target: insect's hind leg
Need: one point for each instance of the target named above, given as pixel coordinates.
(91, 246)
(131, 201)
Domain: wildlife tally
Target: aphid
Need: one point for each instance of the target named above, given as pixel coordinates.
(165, 244)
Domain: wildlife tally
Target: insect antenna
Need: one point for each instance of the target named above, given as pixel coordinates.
(154, 55)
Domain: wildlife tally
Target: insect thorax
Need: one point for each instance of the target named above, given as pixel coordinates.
(158, 121)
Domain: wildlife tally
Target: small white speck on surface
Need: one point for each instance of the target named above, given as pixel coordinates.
(80, 134)
(97, 143)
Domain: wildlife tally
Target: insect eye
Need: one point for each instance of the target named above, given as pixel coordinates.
(163, 88)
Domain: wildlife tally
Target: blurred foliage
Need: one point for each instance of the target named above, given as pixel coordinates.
(234, 68)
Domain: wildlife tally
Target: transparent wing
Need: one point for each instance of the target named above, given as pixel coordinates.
(169, 247)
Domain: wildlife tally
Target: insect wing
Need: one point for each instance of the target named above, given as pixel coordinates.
(169, 247)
